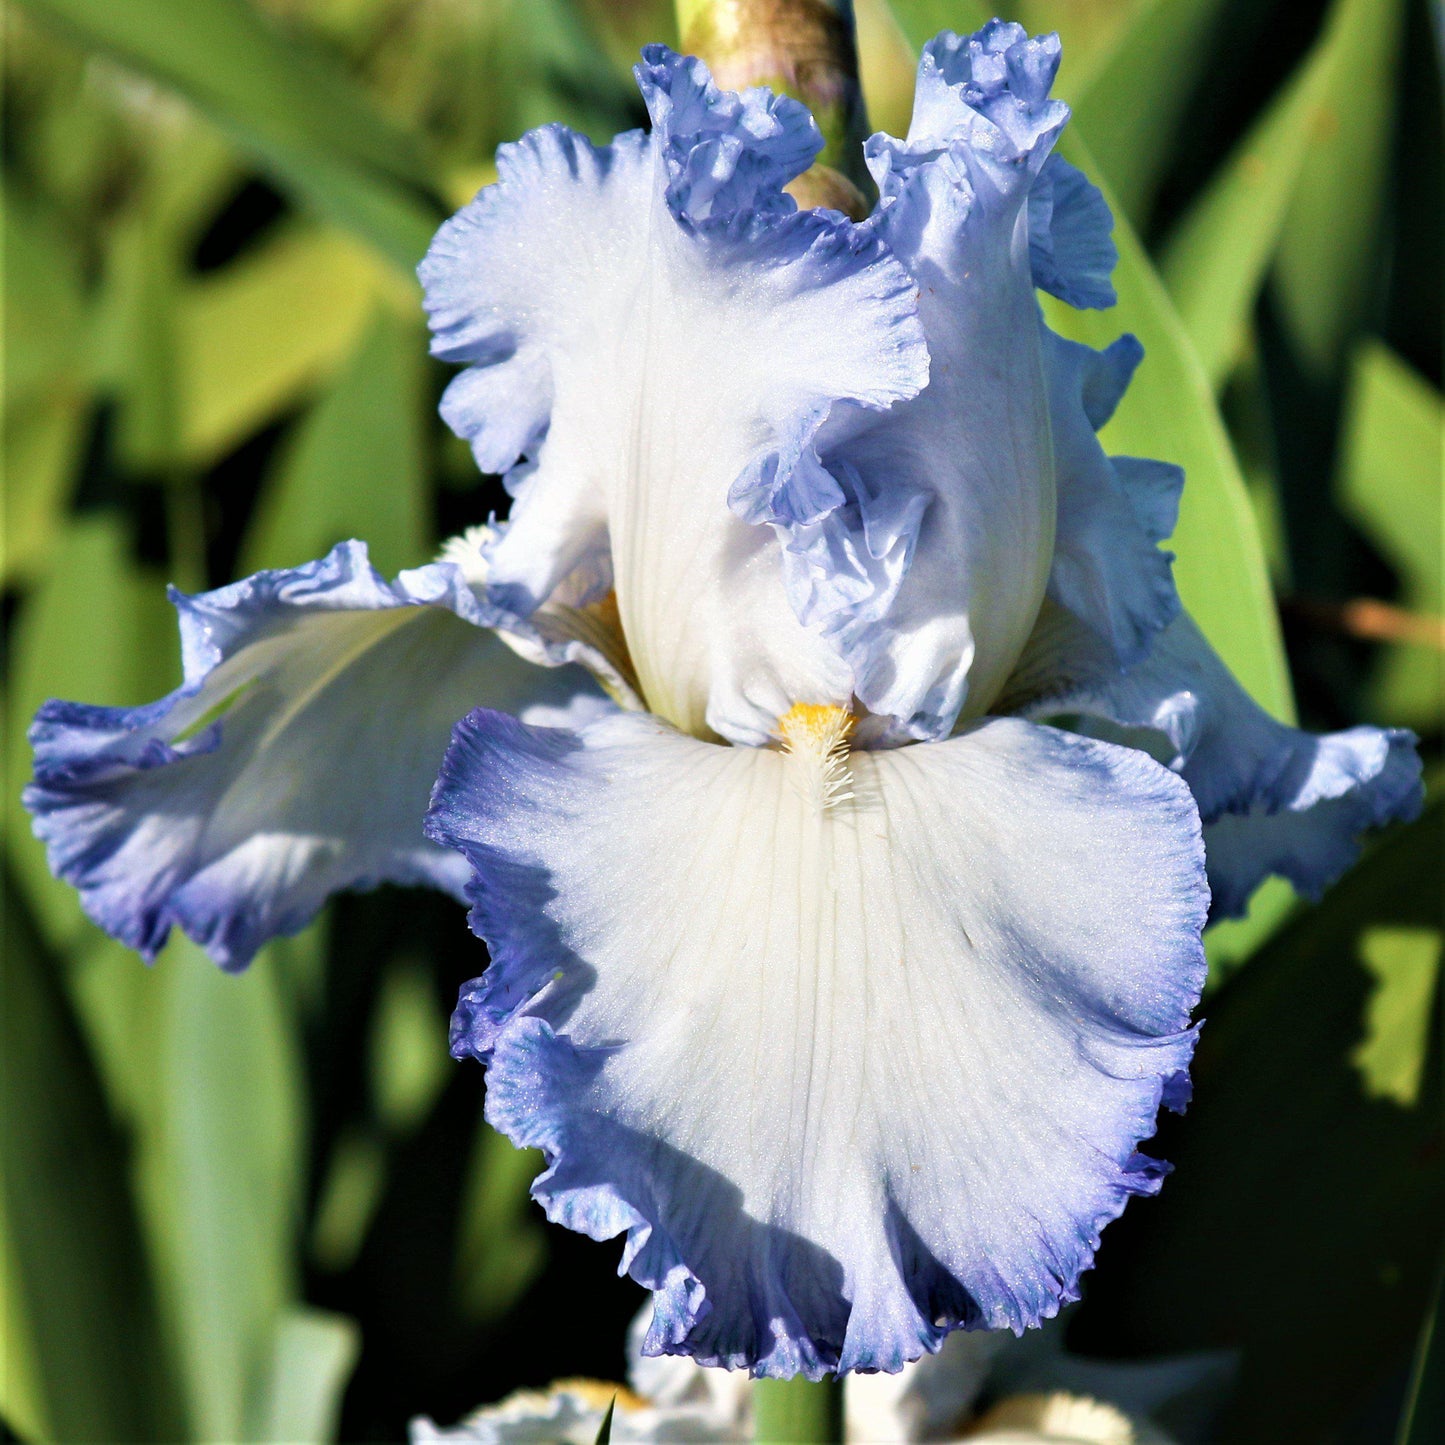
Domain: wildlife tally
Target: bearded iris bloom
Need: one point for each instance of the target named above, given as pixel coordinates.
(824, 968)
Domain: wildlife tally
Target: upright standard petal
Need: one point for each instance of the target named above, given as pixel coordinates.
(1107, 568)
(956, 488)
(1274, 799)
(295, 758)
(1071, 241)
(661, 336)
(850, 1066)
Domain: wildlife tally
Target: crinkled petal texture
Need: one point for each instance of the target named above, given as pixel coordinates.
(1113, 511)
(295, 759)
(1274, 799)
(652, 328)
(847, 1078)
(973, 454)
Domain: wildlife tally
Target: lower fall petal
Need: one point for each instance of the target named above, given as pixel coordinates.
(850, 1068)
(295, 759)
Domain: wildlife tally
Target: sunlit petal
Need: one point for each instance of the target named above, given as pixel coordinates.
(295, 759)
(848, 1073)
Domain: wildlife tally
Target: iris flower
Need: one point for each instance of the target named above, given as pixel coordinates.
(980, 1388)
(824, 968)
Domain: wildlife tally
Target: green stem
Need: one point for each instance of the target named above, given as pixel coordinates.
(798, 1412)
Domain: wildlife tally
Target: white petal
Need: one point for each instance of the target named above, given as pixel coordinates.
(848, 1076)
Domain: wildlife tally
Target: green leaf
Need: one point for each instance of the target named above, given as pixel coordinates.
(1128, 92)
(42, 445)
(1389, 484)
(887, 65)
(44, 303)
(220, 1166)
(500, 1248)
(45, 391)
(312, 1360)
(408, 1048)
(1309, 1183)
(921, 20)
(355, 467)
(1424, 1417)
(353, 1182)
(1169, 412)
(1327, 264)
(97, 629)
(82, 1353)
(1232, 942)
(284, 104)
(1405, 962)
(255, 337)
(1215, 260)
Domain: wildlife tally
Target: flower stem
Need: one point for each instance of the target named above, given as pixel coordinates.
(798, 1412)
(802, 48)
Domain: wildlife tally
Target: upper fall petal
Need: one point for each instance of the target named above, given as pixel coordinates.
(1274, 799)
(657, 330)
(295, 758)
(847, 1077)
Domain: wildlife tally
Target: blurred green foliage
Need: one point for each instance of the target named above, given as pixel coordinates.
(220, 1195)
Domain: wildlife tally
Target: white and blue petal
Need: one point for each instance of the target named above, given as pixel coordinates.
(848, 1076)
(1071, 242)
(660, 336)
(295, 759)
(929, 570)
(1274, 799)
(1107, 568)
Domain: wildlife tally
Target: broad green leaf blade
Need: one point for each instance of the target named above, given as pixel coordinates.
(78, 1307)
(254, 337)
(221, 1160)
(42, 446)
(408, 1048)
(500, 1247)
(1306, 1214)
(1169, 412)
(312, 1360)
(350, 1193)
(1424, 1418)
(97, 629)
(44, 303)
(1326, 266)
(1215, 260)
(921, 20)
(1391, 486)
(887, 65)
(1129, 93)
(45, 391)
(298, 116)
(354, 468)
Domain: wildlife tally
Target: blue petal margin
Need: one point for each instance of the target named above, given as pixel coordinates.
(295, 758)
(656, 338)
(1071, 242)
(1274, 799)
(846, 1081)
(1108, 569)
